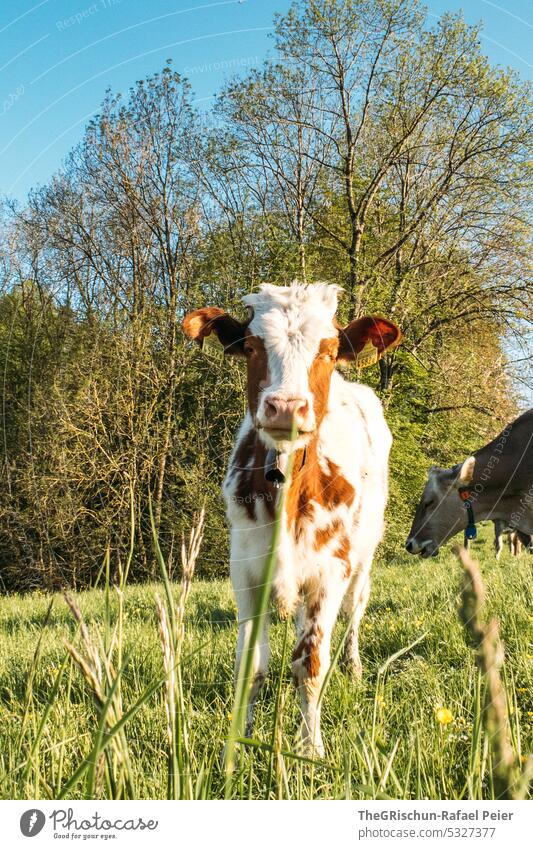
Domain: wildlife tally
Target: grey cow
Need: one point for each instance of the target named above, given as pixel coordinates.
(495, 483)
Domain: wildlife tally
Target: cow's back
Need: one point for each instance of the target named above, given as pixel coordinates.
(507, 461)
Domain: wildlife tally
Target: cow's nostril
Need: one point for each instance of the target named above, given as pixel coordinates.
(409, 546)
(282, 413)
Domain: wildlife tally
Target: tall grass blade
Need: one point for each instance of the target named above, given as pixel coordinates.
(244, 675)
(507, 779)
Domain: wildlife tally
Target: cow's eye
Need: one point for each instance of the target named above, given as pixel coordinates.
(429, 503)
(248, 350)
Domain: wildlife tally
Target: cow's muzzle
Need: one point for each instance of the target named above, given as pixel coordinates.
(281, 413)
(280, 417)
(427, 548)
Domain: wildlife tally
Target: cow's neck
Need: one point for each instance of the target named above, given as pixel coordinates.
(301, 487)
(315, 482)
(505, 466)
(300, 492)
(489, 502)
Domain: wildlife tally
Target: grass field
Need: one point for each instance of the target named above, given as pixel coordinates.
(383, 736)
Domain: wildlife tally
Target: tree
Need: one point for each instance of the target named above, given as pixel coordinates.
(372, 150)
(419, 153)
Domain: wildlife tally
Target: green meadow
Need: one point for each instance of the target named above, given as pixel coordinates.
(411, 729)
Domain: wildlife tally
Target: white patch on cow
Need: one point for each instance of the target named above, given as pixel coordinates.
(296, 315)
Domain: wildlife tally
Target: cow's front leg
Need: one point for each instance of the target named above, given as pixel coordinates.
(247, 606)
(498, 537)
(354, 605)
(311, 659)
(515, 543)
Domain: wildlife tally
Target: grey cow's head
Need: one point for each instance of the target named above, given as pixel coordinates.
(440, 513)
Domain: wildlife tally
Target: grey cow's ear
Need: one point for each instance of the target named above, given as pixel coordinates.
(200, 324)
(466, 472)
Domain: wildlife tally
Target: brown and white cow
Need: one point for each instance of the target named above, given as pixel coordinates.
(332, 517)
(498, 484)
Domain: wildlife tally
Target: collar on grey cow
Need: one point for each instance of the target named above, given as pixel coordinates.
(466, 497)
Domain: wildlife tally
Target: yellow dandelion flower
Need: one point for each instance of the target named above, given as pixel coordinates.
(380, 700)
(521, 689)
(444, 716)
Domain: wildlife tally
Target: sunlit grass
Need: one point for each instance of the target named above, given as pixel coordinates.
(383, 737)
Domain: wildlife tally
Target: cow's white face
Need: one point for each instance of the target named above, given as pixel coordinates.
(440, 513)
(291, 343)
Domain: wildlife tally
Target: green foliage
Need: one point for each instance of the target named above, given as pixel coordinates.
(382, 153)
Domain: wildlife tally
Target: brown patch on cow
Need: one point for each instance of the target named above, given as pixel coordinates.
(249, 460)
(325, 535)
(257, 367)
(313, 659)
(311, 484)
(308, 649)
(343, 553)
(249, 468)
(299, 649)
(320, 376)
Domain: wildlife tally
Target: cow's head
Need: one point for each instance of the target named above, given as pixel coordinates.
(440, 513)
(291, 343)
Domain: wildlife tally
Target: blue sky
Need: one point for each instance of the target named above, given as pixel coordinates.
(58, 57)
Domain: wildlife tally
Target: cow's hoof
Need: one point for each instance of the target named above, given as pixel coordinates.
(222, 758)
(352, 667)
(309, 747)
(315, 751)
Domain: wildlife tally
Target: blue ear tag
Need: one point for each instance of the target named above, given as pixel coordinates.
(470, 532)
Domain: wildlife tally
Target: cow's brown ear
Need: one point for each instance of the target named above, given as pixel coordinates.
(200, 324)
(365, 340)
